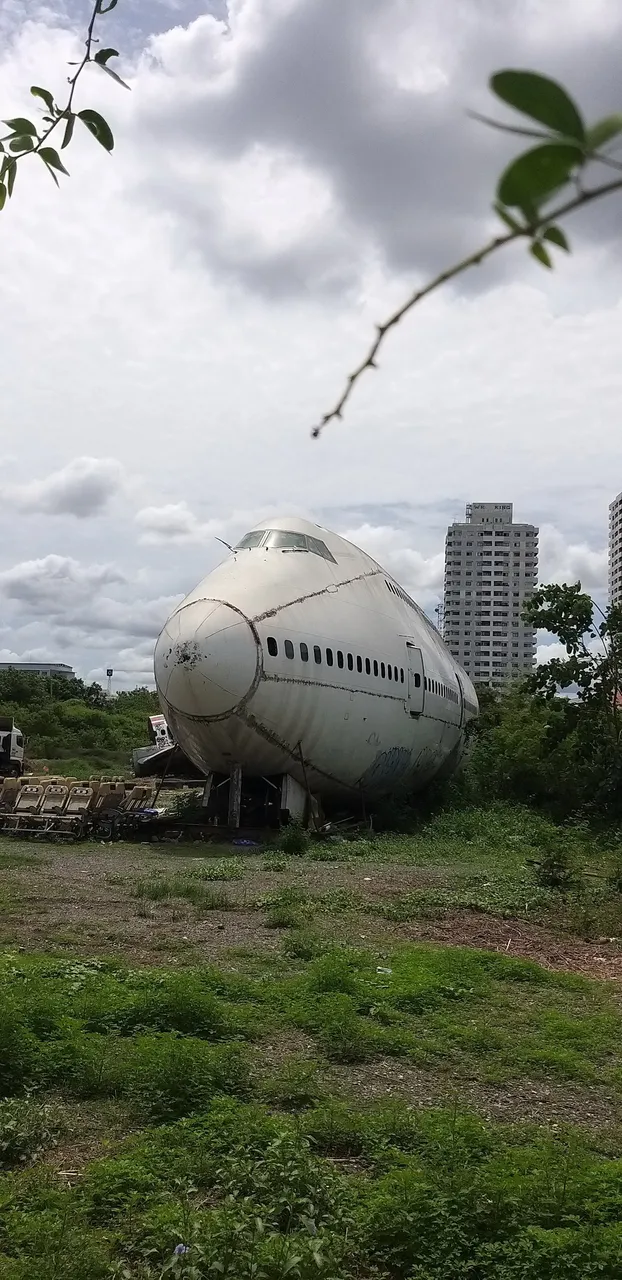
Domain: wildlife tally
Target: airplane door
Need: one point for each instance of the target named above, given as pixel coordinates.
(416, 682)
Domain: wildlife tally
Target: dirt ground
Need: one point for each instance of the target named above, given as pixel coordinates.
(85, 899)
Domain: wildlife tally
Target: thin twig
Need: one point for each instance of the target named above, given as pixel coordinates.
(72, 80)
(473, 260)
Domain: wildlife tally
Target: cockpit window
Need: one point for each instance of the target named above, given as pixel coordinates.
(251, 540)
(286, 541)
(283, 540)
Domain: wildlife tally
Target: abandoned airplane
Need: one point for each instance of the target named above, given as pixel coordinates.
(299, 656)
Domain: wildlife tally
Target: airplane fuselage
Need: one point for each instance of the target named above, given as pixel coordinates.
(299, 654)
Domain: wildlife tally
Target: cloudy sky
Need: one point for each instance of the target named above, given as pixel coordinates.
(175, 318)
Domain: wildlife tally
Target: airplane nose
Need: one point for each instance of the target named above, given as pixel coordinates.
(206, 659)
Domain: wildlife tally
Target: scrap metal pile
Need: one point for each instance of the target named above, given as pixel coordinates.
(67, 809)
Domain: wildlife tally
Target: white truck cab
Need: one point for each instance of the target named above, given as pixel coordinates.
(11, 748)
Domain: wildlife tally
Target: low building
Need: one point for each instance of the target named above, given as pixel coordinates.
(59, 669)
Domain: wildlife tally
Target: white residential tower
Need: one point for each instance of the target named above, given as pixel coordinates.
(491, 569)
(615, 550)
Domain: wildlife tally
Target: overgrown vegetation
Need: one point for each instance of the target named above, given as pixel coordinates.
(72, 724)
(295, 1181)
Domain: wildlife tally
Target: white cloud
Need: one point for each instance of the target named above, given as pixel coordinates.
(53, 583)
(421, 575)
(563, 561)
(174, 522)
(83, 488)
(168, 307)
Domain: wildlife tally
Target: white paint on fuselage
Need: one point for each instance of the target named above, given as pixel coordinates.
(228, 700)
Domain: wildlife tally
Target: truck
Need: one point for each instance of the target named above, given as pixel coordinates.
(11, 748)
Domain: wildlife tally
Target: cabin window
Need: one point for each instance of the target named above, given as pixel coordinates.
(367, 666)
(289, 649)
(304, 651)
(425, 682)
(417, 680)
(273, 647)
(339, 658)
(401, 675)
(395, 675)
(382, 672)
(329, 657)
(317, 653)
(359, 663)
(389, 671)
(375, 667)
(350, 662)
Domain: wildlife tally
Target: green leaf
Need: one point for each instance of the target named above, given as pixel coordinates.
(507, 218)
(51, 157)
(68, 135)
(106, 9)
(21, 126)
(97, 125)
(45, 94)
(2, 196)
(538, 173)
(11, 175)
(538, 251)
(540, 99)
(102, 56)
(556, 236)
(51, 173)
(113, 74)
(603, 131)
(21, 144)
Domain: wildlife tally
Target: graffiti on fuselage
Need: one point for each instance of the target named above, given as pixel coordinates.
(387, 770)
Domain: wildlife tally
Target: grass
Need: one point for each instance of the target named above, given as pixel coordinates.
(243, 1088)
(253, 1193)
(185, 886)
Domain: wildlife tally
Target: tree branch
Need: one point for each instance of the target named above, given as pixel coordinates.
(451, 273)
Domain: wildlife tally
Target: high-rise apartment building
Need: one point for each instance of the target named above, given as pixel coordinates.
(491, 569)
(615, 550)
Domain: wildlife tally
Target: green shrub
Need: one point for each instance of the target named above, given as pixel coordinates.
(294, 1087)
(27, 1129)
(177, 1002)
(282, 916)
(175, 1077)
(294, 840)
(276, 862)
(18, 1049)
(301, 946)
(223, 869)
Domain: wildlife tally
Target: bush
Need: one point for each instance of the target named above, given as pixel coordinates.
(283, 917)
(175, 1077)
(294, 1087)
(27, 1129)
(294, 841)
(18, 1049)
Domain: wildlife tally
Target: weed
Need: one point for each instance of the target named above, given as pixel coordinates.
(301, 946)
(162, 889)
(294, 1087)
(614, 879)
(282, 916)
(555, 868)
(224, 869)
(172, 1078)
(28, 1128)
(294, 840)
(276, 862)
